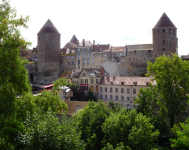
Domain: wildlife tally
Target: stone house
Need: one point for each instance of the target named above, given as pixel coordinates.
(121, 90)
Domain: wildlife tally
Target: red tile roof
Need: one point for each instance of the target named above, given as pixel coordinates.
(126, 80)
(118, 48)
(99, 48)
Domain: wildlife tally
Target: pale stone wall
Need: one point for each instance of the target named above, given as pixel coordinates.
(126, 95)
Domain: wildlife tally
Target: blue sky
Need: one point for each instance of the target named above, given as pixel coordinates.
(115, 22)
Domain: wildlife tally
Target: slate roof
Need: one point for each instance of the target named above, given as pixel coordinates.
(126, 80)
(139, 47)
(74, 40)
(92, 72)
(99, 48)
(48, 28)
(76, 74)
(87, 43)
(164, 21)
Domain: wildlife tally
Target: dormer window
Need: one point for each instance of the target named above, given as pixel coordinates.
(122, 83)
(147, 84)
(111, 83)
(134, 83)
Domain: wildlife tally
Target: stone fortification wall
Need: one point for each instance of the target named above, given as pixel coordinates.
(67, 62)
(48, 54)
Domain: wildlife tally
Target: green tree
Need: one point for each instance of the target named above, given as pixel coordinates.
(74, 88)
(132, 129)
(13, 77)
(172, 84)
(45, 131)
(181, 136)
(90, 124)
(90, 95)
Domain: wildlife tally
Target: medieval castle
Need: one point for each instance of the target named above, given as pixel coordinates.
(49, 61)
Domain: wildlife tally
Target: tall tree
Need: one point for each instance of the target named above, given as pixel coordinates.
(172, 83)
(13, 76)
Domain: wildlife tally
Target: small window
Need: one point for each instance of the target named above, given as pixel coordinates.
(122, 60)
(100, 55)
(77, 107)
(105, 56)
(92, 88)
(122, 90)
(169, 30)
(87, 55)
(122, 98)
(128, 99)
(128, 91)
(100, 89)
(68, 62)
(111, 90)
(111, 97)
(78, 61)
(163, 49)
(116, 97)
(83, 55)
(128, 107)
(100, 96)
(96, 80)
(96, 88)
(83, 49)
(78, 55)
(93, 55)
(87, 61)
(72, 63)
(84, 74)
(78, 49)
(158, 31)
(111, 83)
(116, 90)
(72, 57)
(105, 96)
(78, 67)
(83, 61)
(133, 58)
(117, 55)
(92, 81)
(93, 61)
(120, 54)
(68, 56)
(144, 58)
(134, 91)
(88, 49)
(134, 99)
(106, 89)
(163, 41)
(163, 30)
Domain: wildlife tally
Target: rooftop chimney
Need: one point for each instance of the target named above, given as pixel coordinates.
(83, 42)
(93, 42)
(102, 70)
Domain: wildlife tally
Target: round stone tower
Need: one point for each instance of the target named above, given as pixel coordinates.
(165, 39)
(48, 50)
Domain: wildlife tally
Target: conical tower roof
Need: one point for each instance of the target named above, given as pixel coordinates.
(74, 39)
(164, 21)
(48, 28)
